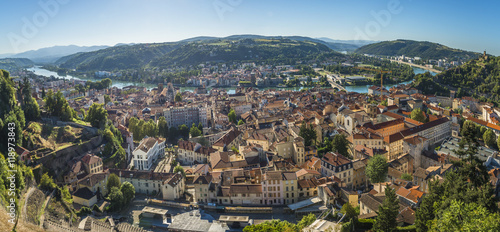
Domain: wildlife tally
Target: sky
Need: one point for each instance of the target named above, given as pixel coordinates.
(30, 25)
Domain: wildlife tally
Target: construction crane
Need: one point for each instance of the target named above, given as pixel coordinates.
(381, 78)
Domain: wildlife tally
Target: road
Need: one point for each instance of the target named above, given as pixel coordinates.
(418, 66)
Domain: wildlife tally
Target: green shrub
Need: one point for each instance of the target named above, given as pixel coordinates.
(408, 228)
(365, 223)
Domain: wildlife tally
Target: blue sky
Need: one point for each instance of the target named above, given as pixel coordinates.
(27, 25)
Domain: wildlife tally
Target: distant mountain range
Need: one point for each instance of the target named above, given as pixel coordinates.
(411, 48)
(51, 54)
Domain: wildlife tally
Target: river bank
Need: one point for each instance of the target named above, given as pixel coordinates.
(231, 90)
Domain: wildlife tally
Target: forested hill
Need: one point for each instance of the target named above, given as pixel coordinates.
(251, 50)
(15, 63)
(410, 48)
(165, 55)
(479, 78)
(117, 57)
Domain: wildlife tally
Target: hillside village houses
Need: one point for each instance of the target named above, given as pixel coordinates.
(264, 161)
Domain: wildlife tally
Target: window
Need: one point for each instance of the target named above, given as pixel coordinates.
(287, 188)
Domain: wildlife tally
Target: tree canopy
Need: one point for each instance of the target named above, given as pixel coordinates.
(377, 169)
(281, 226)
(467, 183)
(416, 114)
(341, 145)
(308, 133)
(387, 212)
(178, 97)
(97, 115)
(489, 138)
(113, 181)
(128, 191)
(194, 131)
(232, 116)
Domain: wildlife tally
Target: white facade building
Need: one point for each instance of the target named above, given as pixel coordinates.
(147, 153)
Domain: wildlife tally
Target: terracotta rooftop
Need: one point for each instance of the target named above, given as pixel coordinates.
(335, 159)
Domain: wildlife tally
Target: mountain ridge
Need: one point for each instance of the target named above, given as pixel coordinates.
(412, 48)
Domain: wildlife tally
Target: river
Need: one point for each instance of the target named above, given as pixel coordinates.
(231, 90)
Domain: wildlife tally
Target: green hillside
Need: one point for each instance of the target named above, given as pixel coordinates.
(15, 63)
(278, 50)
(118, 57)
(479, 78)
(410, 48)
(187, 53)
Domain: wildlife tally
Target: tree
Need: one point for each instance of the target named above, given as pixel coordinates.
(30, 106)
(232, 116)
(178, 97)
(128, 191)
(107, 99)
(306, 221)
(105, 83)
(47, 183)
(65, 195)
(240, 122)
(307, 133)
(466, 217)
(387, 212)
(468, 182)
(312, 134)
(180, 169)
(489, 138)
(200, 127)
(194, 131)
(407, 176)
(281, 226)
(377, 169)
(116, 198)
(113, 181)
(162, 127)
(341, 145)
(184, 131)
(57, 105)
(469, 131)
(384, 102)
(97, 115)
(172, 133)
(498, 142)
(349, 211)
(417, 114)
(235, 150)
(151, 129)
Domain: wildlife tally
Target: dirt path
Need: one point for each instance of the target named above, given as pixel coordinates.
(47, 200)
(27, 196)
